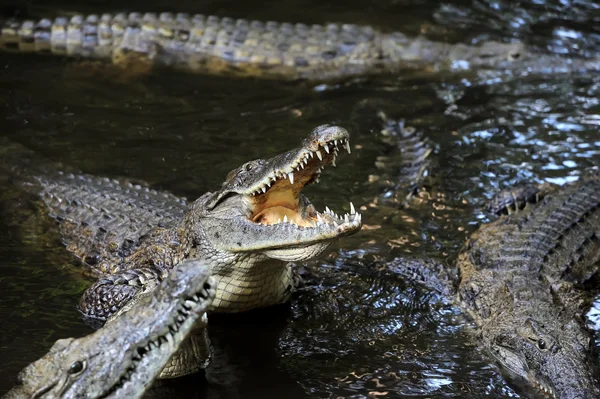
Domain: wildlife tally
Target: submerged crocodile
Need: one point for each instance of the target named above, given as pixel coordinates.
(209, 44)
(527, 280)
(122, 359)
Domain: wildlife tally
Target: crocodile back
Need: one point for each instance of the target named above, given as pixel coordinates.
(103, 219)
(559, 237)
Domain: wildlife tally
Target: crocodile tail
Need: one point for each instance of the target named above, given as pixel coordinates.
(19, 165)
(88, 37)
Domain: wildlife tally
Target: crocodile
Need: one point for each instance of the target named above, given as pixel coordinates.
(247, 231)
(239, 47)
(122, 359)
(526, 280)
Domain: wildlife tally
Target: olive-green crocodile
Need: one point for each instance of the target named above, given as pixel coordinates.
(247, 48)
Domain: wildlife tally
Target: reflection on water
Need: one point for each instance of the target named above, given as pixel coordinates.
(357, 329)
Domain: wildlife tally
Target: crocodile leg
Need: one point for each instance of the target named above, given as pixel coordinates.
(427, 272)
(115, 293)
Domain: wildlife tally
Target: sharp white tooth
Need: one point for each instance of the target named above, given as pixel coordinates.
(326, 147)
(302, 165)
(319, 219)
(268, 184)
(264, 189)
(273, 178)
(352, 210)
(348, 147)
(333, 162)
(346, 220)
(279, 221)
(170, 339)
(311, 154)
(335, 142)
(189, 303)
(317, 180)
(319, 155)
(327, 209)
(285, 219)
(291, 177)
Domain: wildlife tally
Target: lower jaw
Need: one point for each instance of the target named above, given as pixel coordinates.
(300, 253)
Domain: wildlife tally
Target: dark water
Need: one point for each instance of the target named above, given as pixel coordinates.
(358, 330)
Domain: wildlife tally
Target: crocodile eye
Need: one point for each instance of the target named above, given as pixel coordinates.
(77, 367)
(541, 344)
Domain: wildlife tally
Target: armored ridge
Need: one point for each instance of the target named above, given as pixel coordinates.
(123, 358)
(245, 48)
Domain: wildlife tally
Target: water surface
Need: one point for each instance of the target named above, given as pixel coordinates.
(357, 330)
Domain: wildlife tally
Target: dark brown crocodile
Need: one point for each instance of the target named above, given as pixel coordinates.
(209, 44)
(527, 280)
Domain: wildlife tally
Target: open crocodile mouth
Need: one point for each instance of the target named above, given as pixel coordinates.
(189, 307)
(277, 198)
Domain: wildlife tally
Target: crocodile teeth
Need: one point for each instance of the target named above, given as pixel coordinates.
(188, 305)
(326, 147)
(333, 162)
(352, 210)
(319, 219)
(346, 220)
(170, 339)
(311, 154)
(291, 177)
(319, 155)
(285, 219)
(348, 147)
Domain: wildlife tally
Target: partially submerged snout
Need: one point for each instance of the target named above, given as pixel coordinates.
(266, 208)
(548, 366)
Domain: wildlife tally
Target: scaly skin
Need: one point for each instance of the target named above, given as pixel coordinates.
(252, 48)
(246, 231)
(525, 281)
(122, 359)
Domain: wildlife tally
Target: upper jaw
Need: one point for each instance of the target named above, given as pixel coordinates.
(262, 199)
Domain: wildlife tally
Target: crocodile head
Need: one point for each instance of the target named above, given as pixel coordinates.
(400, 49)
(123, 358)
(260, 207)
(548, 360)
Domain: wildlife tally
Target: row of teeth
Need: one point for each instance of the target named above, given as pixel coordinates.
(183, 314)
(543, 389)
(357, 218)
(304, 161)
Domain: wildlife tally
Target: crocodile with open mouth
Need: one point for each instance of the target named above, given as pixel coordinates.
(226, 46)
(122, 359)
(247, 231)
(527, 280)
